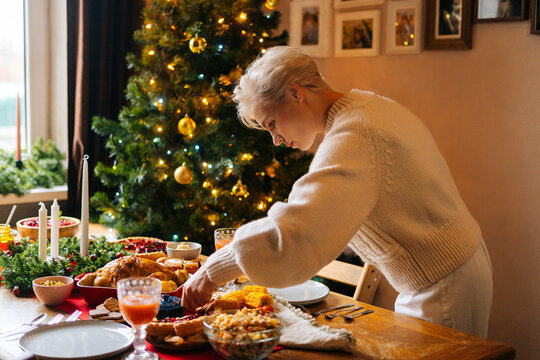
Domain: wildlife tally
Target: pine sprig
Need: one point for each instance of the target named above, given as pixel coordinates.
(21, 264)
(42, 168)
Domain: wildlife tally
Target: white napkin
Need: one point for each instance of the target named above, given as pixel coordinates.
(301, 331)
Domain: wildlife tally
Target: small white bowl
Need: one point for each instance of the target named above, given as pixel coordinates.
(187, 254)
(52, 295)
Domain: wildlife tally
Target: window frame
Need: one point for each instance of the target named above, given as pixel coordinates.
(45, 73)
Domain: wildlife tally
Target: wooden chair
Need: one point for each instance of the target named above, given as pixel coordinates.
(366, 278)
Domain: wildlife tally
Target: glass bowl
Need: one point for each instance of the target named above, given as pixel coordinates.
(242, 345)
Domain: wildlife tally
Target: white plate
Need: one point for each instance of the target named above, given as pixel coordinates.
(310, 292)
(78, 340)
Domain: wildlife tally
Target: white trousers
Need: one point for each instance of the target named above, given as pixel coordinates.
(462, 300)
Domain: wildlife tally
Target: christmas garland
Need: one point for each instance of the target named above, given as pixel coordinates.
(43, 167)
(21, 263)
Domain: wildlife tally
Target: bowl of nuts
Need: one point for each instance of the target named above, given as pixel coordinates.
(52, 290)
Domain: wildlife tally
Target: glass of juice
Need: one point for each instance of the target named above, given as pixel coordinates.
(223, 237)
(139, 299)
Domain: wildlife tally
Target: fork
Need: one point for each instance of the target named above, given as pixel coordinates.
(317, 313)
(21, 327)
(17, 335)
(74, 316)
(351, 317)
(338, 313)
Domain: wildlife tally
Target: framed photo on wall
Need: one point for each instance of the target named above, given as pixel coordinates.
(404, 27)
(448, 24)
(535, 17)
(311, 26)
(357, 33)
(346, 4)
(500, 10)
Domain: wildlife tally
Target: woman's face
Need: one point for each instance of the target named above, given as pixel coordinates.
(292, 123)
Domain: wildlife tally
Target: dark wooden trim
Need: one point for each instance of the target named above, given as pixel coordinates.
(523, 16)
(463, 43)
(535, 17)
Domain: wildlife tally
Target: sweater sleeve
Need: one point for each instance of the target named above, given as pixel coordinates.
(325, 208)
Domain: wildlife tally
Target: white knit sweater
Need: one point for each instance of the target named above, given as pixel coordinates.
(377, 183)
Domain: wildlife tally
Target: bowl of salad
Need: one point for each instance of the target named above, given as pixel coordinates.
(245, 334)
(29, 227)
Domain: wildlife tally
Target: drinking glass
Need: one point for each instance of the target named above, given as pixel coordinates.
(223, 237)
(139, 300)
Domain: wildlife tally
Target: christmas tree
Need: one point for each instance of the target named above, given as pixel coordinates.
(183, 163)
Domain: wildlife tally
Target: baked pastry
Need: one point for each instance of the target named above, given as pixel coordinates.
(189, 327)
(172, 264)
(192, 266)
(151, 255)
(127, 266)
(184, 326)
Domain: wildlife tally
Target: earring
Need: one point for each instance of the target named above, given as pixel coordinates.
(299, 100)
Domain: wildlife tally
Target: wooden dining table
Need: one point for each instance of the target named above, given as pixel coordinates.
(382, 334)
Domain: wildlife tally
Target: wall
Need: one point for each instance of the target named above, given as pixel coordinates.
(483, 109)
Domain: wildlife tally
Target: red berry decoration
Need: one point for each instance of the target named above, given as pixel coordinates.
(69, 269)
(68, 256)
(8, 252)
(72, 263)
(93, 257)
(119, 255)
(16, 291)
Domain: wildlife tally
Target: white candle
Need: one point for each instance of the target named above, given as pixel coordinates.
(42, 240)
(84, 208)
(55, 229)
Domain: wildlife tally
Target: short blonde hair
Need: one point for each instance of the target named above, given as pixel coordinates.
(267, 79)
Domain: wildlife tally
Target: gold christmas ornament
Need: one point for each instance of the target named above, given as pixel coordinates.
(197, 44)
(186, 125)
(183, 175)
(225, 80)
(271, 170)
(271, 4)
(235, 74)
(239, 189)
(213, 217)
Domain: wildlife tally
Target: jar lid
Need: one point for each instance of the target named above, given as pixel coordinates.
(170, 303)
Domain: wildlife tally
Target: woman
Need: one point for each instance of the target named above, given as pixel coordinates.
(377, 184)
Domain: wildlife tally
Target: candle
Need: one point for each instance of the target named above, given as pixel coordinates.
(42, 240)
(84, 208)
(18, 152)
(55, 229)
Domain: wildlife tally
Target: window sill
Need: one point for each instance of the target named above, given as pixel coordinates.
(35, 195)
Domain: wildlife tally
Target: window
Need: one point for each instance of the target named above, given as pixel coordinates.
(33, 63)
(11, 73)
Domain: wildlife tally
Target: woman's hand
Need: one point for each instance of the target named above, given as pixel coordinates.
(197, 291)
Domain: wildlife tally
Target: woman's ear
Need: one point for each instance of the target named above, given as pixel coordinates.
(296, 92)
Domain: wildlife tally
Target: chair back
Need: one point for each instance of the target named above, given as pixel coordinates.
(366, 278)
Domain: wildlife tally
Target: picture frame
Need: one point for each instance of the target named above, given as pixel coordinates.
(500, 10)
(347, 4)
(535, 17)
(448, 25)
(311, 26)
(357, 33)
(404, 27)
